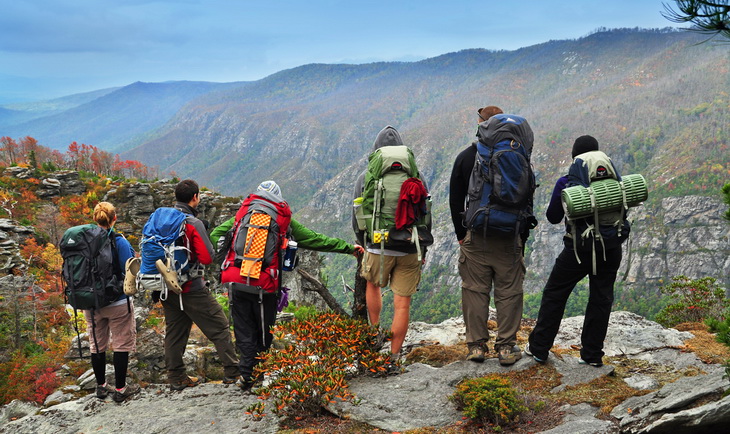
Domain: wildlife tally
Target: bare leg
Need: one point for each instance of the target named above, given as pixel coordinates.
(374, 300)
(401, 316)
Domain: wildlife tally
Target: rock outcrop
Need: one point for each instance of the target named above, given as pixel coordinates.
(418, 397)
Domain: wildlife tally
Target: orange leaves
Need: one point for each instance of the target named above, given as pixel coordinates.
(321, 353)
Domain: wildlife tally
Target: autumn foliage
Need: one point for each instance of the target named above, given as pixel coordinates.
(320, 353)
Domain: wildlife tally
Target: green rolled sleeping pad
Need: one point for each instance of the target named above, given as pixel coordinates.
(577, 200)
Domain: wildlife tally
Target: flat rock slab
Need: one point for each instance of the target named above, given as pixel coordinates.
(207, 408)
(420, 397)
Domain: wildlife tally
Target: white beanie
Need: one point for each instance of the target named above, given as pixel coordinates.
(271, 187)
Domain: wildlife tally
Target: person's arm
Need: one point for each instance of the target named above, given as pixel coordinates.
(359, 186)
(311, 240)
(124, 250)
(458, 186)
(555, 212)
(201, 249)
(221, 230)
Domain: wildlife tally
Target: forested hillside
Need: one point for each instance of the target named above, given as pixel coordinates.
(657, 101)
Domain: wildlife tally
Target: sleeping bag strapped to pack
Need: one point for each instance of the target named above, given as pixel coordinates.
(90, 268)
(606, 225)
(394, 210)
(502, 183)
(253, 262)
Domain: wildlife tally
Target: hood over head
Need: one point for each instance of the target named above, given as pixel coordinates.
(388, 136)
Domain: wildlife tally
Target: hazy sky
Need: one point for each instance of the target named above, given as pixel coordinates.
(52, 48)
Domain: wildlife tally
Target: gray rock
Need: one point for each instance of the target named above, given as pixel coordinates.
(208, 408)
(642, 382)
(575, 373)
(628, 334)
(638, 412)
(16, 410)
(712, 417)
(581, 419)
(57, 397)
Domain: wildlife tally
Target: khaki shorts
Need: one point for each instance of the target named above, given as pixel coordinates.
(402, 272)
(115, 322)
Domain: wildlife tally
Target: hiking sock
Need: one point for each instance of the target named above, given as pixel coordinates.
(121, 362)
(98, 364)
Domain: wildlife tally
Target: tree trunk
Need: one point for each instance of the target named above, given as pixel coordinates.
(323, 292)
(359, 306)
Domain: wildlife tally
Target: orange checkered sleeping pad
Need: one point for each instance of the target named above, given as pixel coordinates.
(255, 247)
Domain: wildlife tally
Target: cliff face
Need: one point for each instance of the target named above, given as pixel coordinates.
(683, 236)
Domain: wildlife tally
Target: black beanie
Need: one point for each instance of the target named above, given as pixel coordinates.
(584, 144)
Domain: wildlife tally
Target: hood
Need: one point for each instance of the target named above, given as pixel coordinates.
(388, 136)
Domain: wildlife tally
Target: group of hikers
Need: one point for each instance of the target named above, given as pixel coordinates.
(491, 202)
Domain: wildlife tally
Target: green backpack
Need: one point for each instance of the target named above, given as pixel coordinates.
(388, 168)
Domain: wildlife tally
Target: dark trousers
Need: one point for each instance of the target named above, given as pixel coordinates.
(566, 273)
(201, 308)
(253, 317)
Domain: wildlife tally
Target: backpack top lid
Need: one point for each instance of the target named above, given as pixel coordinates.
(506, 127)
(384, 159)
(591, 166)
(164, 225)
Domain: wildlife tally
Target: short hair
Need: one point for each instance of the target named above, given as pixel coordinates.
(487, 112)
(185, 190)
(104, 214)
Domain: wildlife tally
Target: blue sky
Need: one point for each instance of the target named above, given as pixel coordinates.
(53, 48)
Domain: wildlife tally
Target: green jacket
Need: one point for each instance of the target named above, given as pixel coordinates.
(305, 238)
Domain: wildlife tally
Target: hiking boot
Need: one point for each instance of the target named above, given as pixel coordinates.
(185, 382)
(229, 380)
(508, 355)
(126, 392)
(594, 364)
(534, 357)
(169, 275)
(102, 391)
(131, 269)
(244, 384)
(476, 354)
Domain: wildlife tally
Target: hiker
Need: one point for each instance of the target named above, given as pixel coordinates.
(254, 302)
(377, 225)
(112, 324)
(195, 304)
(574, 262)
(491, 252)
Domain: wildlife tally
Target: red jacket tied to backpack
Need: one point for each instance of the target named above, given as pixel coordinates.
(253, 261)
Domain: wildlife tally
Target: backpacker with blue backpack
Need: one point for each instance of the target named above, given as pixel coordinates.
(502, 183)
(165, 253)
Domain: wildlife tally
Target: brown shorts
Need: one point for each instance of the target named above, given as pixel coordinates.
(115, 323)
(402, 272)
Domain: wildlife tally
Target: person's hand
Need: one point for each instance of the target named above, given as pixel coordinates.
(358, 250)
(461, 241)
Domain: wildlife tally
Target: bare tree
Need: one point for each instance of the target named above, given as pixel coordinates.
(711, 17)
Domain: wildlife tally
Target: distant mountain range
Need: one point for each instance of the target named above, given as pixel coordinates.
(656, 100)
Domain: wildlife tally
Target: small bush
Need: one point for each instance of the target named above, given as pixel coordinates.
(320, 353)
(490, 399)
(692, 301)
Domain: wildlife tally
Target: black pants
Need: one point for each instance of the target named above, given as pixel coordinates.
(253, 317)
(566, 273)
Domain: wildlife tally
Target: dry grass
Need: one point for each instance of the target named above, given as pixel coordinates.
(605, 392)
(438, 355)
(704, 344)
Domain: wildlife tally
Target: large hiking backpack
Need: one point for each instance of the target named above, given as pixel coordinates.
(90, 269)
(163, 239)
(256, 244)
(394, 210)
(502, 183)
(596, 201)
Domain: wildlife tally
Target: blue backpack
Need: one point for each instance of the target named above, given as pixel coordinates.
(502, 183)
(163, 239)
